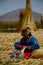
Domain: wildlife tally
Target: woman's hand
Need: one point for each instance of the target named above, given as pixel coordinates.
(29, 47)
(19, 46)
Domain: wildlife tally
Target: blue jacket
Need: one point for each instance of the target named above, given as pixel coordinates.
(30, 42)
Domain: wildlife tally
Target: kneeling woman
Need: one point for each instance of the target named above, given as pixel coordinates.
(29, 41)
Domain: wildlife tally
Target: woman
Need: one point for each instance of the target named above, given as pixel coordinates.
(29, 41)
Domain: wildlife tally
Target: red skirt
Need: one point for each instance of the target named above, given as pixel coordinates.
(27, 55)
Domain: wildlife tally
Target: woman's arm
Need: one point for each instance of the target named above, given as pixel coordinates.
(35, 45)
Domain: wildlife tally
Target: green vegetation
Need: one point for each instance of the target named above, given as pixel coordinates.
(8, 26)
(12, 26)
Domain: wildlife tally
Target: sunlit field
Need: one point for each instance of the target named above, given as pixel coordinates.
(7, 41)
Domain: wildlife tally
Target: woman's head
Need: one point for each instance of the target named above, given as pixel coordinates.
(26, 31)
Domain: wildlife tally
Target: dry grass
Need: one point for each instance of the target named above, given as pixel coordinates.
(6, 45)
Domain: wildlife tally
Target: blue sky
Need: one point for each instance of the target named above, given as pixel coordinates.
(37, 6)
(10, 5)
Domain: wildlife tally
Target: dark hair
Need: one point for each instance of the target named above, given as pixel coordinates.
(29, 34)
(23, 31)
(28, 28)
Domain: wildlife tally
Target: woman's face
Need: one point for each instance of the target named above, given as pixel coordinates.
(26, 32)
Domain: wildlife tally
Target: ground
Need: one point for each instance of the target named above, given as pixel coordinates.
(7, 41)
